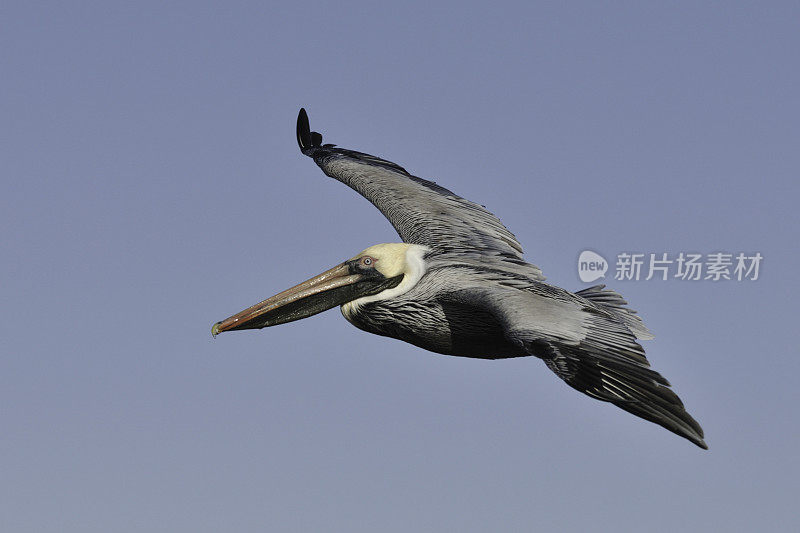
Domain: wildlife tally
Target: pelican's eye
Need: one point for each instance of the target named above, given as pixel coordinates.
(367, 261)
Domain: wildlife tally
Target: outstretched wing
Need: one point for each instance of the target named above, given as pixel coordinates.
(421, 211)
(590, 343)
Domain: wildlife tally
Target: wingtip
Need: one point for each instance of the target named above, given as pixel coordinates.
(692, 432)
(303, 131)
(307, 140)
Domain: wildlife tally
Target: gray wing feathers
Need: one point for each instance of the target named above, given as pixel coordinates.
(592, 348)
(421, 211)
(422, 214)
(616, 304)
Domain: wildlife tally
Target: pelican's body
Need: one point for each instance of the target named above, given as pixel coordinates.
(458, 285)
(437, 314)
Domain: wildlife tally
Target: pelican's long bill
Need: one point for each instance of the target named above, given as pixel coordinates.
(343, 283)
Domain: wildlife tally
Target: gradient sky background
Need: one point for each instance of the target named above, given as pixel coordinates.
(152, 185)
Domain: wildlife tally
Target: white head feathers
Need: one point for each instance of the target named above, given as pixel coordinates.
(391, 260)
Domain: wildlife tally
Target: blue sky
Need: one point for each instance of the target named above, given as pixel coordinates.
(152, 185)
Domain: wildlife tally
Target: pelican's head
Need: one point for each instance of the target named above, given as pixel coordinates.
(379, 272)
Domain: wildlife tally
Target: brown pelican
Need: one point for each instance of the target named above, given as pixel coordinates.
(458, 285)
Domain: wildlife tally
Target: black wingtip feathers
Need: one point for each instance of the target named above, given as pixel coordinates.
(307, 140)
(303, 131)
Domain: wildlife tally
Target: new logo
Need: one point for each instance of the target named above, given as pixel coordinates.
(591, 266)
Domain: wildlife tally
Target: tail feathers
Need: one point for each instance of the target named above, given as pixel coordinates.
(613, 302)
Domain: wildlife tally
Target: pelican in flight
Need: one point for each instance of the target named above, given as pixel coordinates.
(458, 285)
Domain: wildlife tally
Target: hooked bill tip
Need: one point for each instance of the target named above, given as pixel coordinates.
(215, 329)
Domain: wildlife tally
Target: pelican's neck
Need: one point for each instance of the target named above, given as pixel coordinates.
(413, 271)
